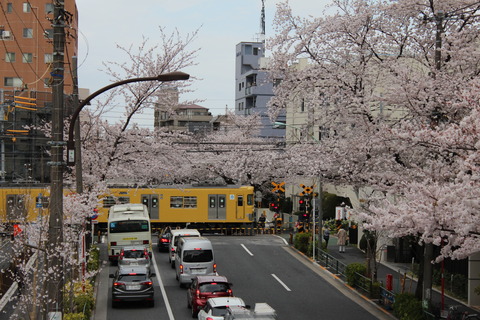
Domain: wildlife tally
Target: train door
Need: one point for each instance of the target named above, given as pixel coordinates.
(16, 209)
(240, 208)
(151, 201)
(217, 207)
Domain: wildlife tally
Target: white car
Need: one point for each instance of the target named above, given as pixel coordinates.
(216, 308)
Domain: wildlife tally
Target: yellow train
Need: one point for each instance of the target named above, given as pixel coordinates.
(225, 205)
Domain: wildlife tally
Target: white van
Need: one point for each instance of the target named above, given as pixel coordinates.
(194, 258)
(176, 234)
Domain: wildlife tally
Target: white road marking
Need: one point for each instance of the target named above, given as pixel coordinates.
(162, 288)
(280, 281)
(248, 251)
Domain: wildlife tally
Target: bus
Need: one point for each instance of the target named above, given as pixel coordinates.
(128, 225)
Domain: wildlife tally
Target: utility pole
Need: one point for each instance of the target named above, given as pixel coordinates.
(55, 272)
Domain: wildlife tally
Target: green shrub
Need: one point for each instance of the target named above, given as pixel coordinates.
(352, 272)
(302, 241)
(74, 316)
(83, 299)
(407, 307)
(93, 263)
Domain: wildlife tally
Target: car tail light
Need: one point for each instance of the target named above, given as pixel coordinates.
(208, 318)
(198, 293)
(181, 268)
(214, 267)
(147, 283)
(229, 291)
(118, 284)
(114, 243)
(164, 240)
(146, 241)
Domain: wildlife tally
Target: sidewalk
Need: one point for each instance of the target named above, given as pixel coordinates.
(397, 270)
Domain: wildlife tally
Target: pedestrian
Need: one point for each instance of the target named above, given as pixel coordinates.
(342, 239)
(326, 236)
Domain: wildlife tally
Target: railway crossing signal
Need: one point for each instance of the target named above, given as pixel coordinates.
(278, 187)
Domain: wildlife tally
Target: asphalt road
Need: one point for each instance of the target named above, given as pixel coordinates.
(262, 269)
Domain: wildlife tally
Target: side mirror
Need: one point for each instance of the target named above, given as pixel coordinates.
(153, 275)
(111, 275)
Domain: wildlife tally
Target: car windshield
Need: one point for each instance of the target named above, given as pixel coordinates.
(213, 287)
(197, 255)
(219, 311)
(132, 277)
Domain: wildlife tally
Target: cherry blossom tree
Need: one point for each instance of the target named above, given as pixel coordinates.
(390, 86)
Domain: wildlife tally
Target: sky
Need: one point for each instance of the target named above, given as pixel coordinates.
(223, 24)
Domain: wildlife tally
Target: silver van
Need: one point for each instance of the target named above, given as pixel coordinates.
(176, 235)
(194, 257)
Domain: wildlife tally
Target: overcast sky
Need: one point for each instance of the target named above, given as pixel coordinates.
(223, 24)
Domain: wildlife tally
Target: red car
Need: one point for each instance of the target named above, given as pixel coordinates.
(205, 287)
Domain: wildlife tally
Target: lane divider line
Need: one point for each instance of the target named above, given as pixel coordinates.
(281, 282)
(162, 288)
(248, 251)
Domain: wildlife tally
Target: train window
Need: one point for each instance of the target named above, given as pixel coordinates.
(154, 202)
(190, 202)
(176, 202)
(108, 202)
(249, 199)
(123, 199)
(212, 203)
(145, 201)
(240, 201)
(221, 202)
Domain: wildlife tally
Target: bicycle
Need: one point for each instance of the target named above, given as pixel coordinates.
(455, 314)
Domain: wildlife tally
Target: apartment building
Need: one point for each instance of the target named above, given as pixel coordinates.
(26, 56)
(253, 89)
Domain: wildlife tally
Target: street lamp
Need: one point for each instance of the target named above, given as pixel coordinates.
(171, 76)
(320, 211)
(55, 233)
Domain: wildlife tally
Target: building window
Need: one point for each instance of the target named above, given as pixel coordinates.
(248, 50)
(10, 57)
(27, 33)
(49, 8)
(9, 7)
(48, 57)
(26, 7)
(27, 58)
(48, 33)
(12, 82)
(255, 51)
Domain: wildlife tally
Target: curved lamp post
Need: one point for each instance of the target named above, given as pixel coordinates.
(171, 76)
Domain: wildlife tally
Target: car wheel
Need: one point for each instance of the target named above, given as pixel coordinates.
(189, 305)
(115, 304)
(194, 313)
(151, 304)
(172, 264)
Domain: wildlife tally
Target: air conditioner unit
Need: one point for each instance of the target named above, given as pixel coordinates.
(6, 34)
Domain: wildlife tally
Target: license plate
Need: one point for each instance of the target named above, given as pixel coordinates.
(197, 271)
(134, 287)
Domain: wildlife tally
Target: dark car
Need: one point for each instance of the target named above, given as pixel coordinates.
(132, 283)
(205, 287)
(164, 238)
